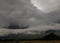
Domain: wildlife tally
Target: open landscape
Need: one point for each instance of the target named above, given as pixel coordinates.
(29, 21)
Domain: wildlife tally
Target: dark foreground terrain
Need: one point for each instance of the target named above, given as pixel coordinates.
(38, 41)
(31, 38)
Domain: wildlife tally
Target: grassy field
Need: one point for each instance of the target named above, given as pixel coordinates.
(55, 41)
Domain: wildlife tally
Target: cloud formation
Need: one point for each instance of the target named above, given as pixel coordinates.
(47, 5)
(23, 12)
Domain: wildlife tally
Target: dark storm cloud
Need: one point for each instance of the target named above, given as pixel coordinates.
(14, 11)
(18, 11)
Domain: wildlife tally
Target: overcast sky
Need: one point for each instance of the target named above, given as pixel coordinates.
(24, 12)
(47, 5)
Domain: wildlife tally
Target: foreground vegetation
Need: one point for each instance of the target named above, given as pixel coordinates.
(38, 41)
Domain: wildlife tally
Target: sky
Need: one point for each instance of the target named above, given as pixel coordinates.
(24, 12)
(47, 5)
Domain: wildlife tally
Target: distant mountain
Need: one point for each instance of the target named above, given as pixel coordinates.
(40, 35)
(50, 31)
(19, 37)
(51, 36)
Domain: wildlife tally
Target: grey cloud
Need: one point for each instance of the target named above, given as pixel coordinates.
(19, 11)
(23, 12)
(47, 5)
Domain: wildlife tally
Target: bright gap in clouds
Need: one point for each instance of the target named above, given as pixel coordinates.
(46, 5)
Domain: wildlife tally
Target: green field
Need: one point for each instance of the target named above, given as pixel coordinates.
(55, 41)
